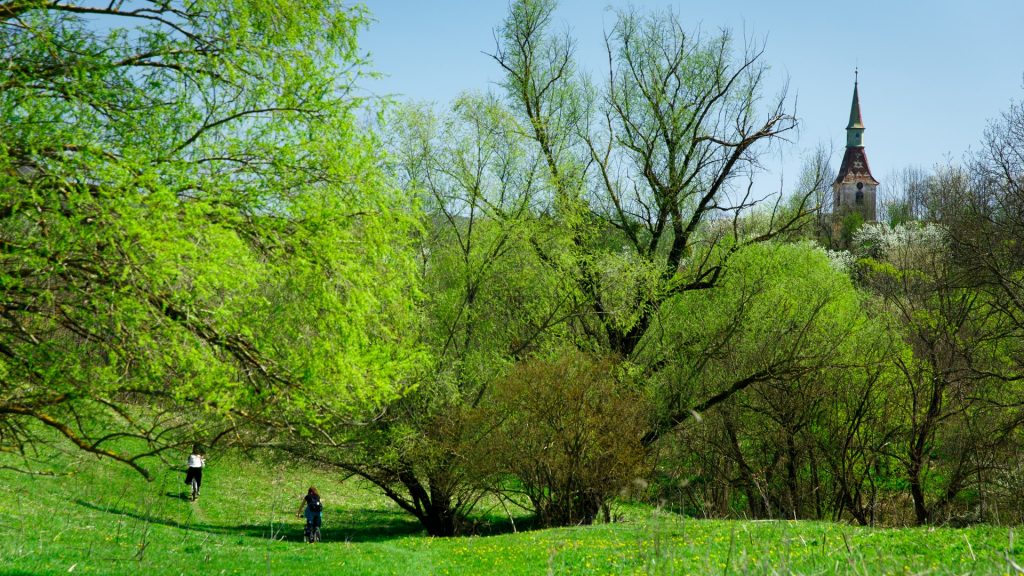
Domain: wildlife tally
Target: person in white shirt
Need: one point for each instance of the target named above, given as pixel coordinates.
(196, 461)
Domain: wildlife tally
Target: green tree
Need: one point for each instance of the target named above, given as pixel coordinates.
(570, 431)
(191, 223)
(955, 394)
(488, 303)
(981, 205)
(851, 223)
(793, 325)
(652, 168)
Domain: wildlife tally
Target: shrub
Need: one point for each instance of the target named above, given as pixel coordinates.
(570, 430)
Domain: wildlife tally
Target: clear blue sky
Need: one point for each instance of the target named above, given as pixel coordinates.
(932, 74)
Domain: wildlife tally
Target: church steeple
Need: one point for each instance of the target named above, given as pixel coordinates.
(854, 189)
(855, 161)
(855, 129)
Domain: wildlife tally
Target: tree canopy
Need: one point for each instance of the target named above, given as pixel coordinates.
(191, 215)
(538, 294)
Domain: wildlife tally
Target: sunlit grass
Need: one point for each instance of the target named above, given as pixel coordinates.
(96, 518)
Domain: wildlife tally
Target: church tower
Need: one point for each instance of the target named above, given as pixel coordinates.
(854, 189)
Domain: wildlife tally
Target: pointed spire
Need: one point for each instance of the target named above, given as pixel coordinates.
(855, 129)
(855, 118)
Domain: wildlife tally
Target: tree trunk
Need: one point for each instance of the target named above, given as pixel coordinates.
(791, 478)
(432, 509)
(917, 490)
(440, 521)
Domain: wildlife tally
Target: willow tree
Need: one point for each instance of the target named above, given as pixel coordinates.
(651, 168)
(190, 221)
(488, 302)
(801, 440)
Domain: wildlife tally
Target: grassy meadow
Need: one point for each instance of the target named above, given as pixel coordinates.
(94, 517)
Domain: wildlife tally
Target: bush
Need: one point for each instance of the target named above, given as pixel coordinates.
(570, 429)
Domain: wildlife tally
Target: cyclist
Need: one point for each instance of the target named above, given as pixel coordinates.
(194, 475)
(312, 508)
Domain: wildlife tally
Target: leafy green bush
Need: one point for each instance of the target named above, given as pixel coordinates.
(570, 429)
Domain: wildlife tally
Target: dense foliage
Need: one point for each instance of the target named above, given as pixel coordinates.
(191, 223)
(547, 297)
(569, 433)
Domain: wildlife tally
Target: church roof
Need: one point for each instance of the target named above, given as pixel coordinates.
(855, 118)
(854, 167)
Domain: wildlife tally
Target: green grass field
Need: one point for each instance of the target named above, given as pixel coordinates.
(98, 518)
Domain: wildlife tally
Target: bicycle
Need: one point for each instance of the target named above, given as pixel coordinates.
(194, 473)
(311, 509)
(311, 534)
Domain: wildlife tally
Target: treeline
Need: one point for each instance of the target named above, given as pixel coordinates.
(547, 297)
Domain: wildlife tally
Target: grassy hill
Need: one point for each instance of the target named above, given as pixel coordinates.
(94, 517)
